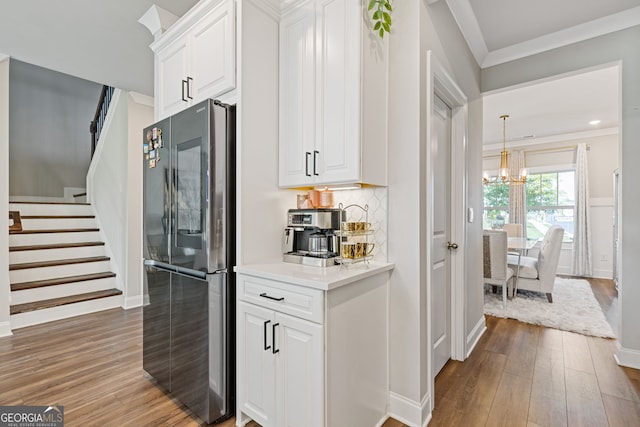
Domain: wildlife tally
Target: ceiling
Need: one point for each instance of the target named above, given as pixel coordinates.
(97, 40)
(102, 41)
(499, 31)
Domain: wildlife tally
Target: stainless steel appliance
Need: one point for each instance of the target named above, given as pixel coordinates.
(310, 236)
(189, 229)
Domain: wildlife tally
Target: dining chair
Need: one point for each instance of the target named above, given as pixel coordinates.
(538, 274)
(513, 230)
(494, 251)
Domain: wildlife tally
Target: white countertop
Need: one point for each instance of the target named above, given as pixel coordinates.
(323, 278)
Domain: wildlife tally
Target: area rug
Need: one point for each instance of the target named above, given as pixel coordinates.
(574, 308)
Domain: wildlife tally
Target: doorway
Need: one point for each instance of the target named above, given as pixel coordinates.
(446, 213)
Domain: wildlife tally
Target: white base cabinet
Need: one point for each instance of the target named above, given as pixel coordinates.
(312, 358)
(195, 58)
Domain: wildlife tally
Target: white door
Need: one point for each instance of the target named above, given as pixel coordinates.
(297, 97)
(299, 347)
(440, 234)
(256, 370)
(171, 79)
(212, 54)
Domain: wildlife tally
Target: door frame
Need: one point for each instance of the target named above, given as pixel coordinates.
(440, 83)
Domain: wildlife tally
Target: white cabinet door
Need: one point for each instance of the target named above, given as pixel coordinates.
(256, 363)
(338, 117)
(299, 372)
(212, 54)
(171, 74)
(297, 96)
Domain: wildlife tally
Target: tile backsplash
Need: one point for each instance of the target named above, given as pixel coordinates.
(376, 198)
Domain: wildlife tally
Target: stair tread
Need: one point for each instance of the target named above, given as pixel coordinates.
(57, 216)
(61, 281)
(56, 230)
(54, 263)
(53, 246)
(55, 302)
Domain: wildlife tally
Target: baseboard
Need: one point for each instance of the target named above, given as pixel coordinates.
(475, 335)
(132, 302)
(5, 329)
(627, 357)
(408, 411)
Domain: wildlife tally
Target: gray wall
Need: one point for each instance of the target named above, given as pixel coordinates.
(417, 28)
(622, 47)
(49, 143)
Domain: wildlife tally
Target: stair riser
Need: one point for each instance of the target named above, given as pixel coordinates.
(67, 289)
(50, 209)
(52, 238)
(20, 257)
(44, 273)
(65, 311)
(57, 223)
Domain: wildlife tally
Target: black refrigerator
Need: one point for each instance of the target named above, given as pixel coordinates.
(189, 249)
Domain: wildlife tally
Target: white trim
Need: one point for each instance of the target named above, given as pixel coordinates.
(409, 411)
(475, 335)
(440, 83)
(142, 99)
(552, 138)
(467, 22)
(132, 302)
(3, 56)
(605, 202)
(627, 357)
(598, 27)
(5, 329)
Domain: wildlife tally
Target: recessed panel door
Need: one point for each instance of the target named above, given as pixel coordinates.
(440, 234)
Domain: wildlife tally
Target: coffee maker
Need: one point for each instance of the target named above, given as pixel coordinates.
(310, 237)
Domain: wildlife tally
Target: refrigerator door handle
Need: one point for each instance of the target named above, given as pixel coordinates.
(160, 265)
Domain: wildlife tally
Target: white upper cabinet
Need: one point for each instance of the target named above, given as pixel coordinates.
(195, 58)
(328, 63)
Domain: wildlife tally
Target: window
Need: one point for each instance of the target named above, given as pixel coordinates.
(550, 201)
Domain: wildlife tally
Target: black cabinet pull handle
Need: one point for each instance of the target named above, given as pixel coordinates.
(264, 295)
(264, 330)
(306, 163)
(273, 338)
(189, 80)
(184, 82)
(315, 156)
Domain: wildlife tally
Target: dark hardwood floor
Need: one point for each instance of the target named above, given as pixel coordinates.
(518, 374)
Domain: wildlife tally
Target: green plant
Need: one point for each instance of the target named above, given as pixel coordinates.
(381, 16)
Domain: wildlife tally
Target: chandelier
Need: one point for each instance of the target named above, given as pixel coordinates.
(504, 176)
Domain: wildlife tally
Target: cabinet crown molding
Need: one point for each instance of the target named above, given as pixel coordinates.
(185, 22)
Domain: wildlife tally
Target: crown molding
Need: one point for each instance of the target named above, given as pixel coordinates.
(522, 143)
(468, 24)
(597, 27)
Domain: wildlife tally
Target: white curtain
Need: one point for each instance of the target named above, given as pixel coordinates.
(581, 222)
(517, 193)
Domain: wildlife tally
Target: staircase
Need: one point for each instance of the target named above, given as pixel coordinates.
(58, 266)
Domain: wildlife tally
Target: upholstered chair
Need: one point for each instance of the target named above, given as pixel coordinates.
(538, 274)
(494, 250)
(513, 230)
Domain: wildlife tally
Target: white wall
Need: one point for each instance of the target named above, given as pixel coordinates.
(261, 204)
(622, 47)
(114, 187)
(5, 290)
(603, 160)
(418, 27)
(50, 144)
